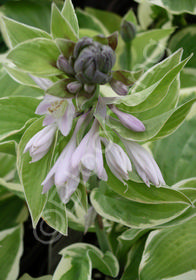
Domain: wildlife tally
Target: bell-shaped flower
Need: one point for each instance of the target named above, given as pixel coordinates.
(144, 163)
(88, 154)
(63, 174)
(117, 160)
(57, 110)
(40, 143)
(128, 120)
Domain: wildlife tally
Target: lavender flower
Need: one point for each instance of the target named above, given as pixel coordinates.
(40, 143)
(63, 174)
(89, 154)
(128, 120)
(117, 160)
(57, 110)
(144, 163)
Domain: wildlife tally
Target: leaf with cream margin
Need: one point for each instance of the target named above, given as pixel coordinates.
(36, 56)
(19, 32)
(79, 259)
(176, 6)
(69, 13)
(169, 252)
(11, 248)
(60, 26)
(131, 213)
(14, 113)
(28, 173)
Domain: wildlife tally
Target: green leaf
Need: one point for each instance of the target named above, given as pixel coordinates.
(37, 56)
(88, 21)
(185, 39)
(69, 13)
(134, 257)
(187, 187)
(187, 78)
(54, 213)
(139, 192)
(110, 20)
(175, 119)
(32, 13)
(27, 277)
(130, 16)
(60, 27)
(148, 47)
(169, 252)
(28, 173)
(168, 103)
(18, 32)
(20, 76)
(14, 113)
(13, 210)
(8, 147)
(131, 213)
(79, 259)
(9, 87)
(176, 6)
(155, 96)
(11, 248)
(177, 161)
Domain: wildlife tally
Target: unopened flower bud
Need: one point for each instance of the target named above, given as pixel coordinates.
(93, 61)
(89, 88)
(127, 31)
(128, 120)
(63, 65)
(119, 87)
(74, 87)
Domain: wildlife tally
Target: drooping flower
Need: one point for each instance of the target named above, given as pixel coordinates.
(128, 120)
(117, 160)
(57, 110)
(144, 163)
(63, 175)
(40, 143)
(89, 154)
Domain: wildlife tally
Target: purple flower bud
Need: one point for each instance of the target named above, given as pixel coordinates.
(93, 61)
(74, 87)
(127, 31)
(119, 87)
(89, 88)
(128, 120)
(64, 65)
(144, 163)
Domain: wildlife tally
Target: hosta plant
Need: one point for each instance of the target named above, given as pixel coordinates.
(77, 142)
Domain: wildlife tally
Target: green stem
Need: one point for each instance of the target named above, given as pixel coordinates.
(101, 234)
(128, 54)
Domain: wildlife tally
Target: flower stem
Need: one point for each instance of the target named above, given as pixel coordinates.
(101, 234)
